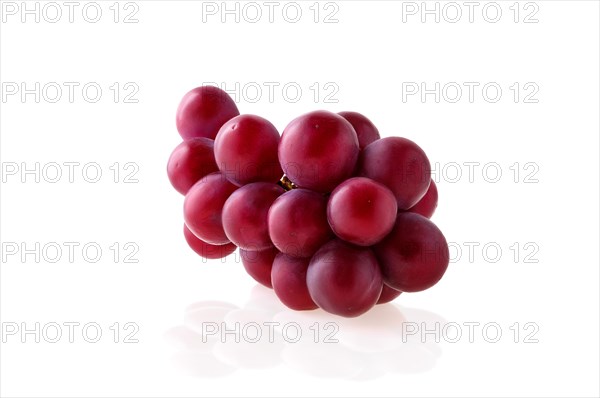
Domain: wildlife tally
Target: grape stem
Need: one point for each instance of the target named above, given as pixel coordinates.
(286, 183)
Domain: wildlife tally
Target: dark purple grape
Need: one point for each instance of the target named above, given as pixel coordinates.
(202, 112)
(344, 279)
(365, 129)
(298, 222)
(207, 250)
(318, 150)
(190, 161)
(246, 150)
(245, 215)
(361, 211)
(258, 264)
(414, 256)
(388, 294)
(288, 276)
(203, 206)
(428, 203)
(399, 164)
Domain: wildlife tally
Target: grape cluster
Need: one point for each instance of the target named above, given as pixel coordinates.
(327, 214)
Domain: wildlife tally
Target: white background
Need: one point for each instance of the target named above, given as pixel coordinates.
(365, 57)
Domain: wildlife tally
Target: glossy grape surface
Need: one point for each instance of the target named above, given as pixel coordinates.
(428, 203)
(245, 215)
(189, 162)
(388, 294)
(414, 256)
(298, 222)
(258, 264)
(288, 276)
(365, 129)
(203, 206)
(202, 112)
(246, 150)
(361, 211)
(399, 164)
(318, 150)
(344, 279)
(207, 250)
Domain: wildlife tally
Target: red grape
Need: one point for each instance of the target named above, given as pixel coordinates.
(288, 276)
(203, 205)
(245, 215)
(414, 256)
(318, 150)
(258, 264)
(207, 250)
(388, 294)
(298, 222)
(399, 164)
(428, 203)
(202, 112)
(328, 214)
(246, 150)
(344, 279)
(365, 129)
(190, 161)
(361, 211)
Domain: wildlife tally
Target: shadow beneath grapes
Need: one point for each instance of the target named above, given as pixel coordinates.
(218, 338)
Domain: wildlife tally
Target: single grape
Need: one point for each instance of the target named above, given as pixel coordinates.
(365, 129)
(203, 206)
(318, 150)
(288, 276)
(190, 161)
(245, 215)
(428, 203)
(298, 222)
(414, 256)
(399, 164)
(388, 294)
(202, 112)
(344, 279)
(361, 211)
(258, 264)
(246, 150)
(207, 250)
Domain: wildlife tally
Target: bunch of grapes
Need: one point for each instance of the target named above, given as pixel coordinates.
(327, 214)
